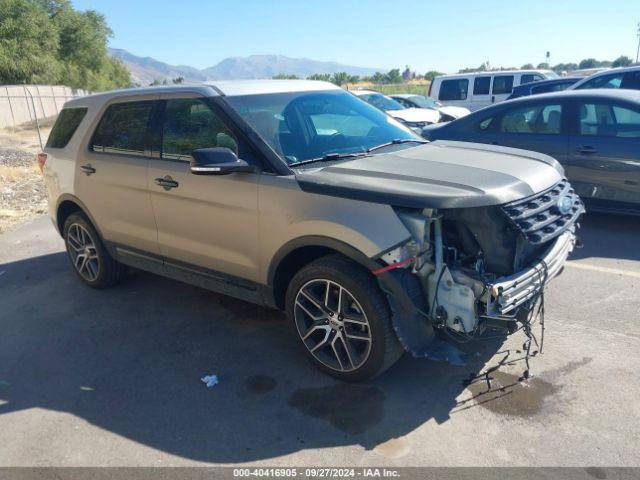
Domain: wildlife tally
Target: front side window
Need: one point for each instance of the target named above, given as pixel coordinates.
(553, 87)
(454, 89)
(607, 120)
(307, 125)
(382, 102)
(190, 124)
(502, 84)
(603, 81)
(631, 80)
(122, 128)
(481, 85)
(65, 127)
(541, 119)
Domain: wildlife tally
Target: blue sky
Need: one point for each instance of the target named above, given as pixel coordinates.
(427, 35)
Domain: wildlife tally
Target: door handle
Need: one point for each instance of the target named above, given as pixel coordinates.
(586, 150)
(166, 182)
(87, 169)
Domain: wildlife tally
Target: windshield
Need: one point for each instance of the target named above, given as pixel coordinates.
(425, 102)
(380, 101)
(305, 125)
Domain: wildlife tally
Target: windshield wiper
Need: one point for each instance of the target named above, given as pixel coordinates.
(328, 157)
(395, 141)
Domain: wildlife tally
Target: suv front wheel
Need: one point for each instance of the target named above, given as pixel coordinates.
(342, 319)
(89, 258)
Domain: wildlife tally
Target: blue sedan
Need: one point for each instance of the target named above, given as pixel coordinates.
(594, 134)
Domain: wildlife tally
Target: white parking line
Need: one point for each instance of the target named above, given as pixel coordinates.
(614, 271)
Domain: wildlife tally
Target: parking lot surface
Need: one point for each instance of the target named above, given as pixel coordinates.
(112, 377)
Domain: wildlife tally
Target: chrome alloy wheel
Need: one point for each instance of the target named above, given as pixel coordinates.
(83, 253)
(332, 325)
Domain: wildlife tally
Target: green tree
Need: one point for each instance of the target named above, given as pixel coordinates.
(621, 61)
(431, 74)
(527, 66)
(285, 76)
(588, 63)
(543, 66)
(394, 76)
(27, 48)
(323, 77)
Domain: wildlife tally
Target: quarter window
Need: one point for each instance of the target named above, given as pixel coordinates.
(502, 84)
(123, 128)
(481, 85)
(65, 127)
(609, 120)
(189, 125)
(454, 89)
(534, 119)
(530, 77)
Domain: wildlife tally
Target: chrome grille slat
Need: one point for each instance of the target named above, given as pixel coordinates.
(538, 217)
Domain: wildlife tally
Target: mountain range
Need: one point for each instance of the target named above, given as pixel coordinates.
(144, 70)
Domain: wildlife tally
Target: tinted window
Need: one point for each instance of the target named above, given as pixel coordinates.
(604, 81)
(454, 89)
(502, 84)
(382, 102)
(481, 85)
(554, 87)
(190, 124)
(537, 119)
(65, 127)
(632, 80)
(123, 128)
(609, 121)
(530, 77)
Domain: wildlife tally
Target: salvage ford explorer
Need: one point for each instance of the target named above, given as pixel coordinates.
(300, 196)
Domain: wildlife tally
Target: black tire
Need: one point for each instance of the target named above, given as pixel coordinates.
(109, 272)
(361, 286)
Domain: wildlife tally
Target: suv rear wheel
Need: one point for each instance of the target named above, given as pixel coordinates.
(89, 258)
(342, 319)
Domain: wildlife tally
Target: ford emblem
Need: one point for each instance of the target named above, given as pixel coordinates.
(564, 204)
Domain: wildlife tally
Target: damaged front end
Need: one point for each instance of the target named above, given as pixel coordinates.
(465, 270)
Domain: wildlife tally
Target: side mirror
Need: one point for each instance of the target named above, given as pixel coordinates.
(217, 161)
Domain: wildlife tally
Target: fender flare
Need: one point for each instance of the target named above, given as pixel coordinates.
(67, 197)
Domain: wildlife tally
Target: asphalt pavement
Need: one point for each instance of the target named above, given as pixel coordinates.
(112, 377)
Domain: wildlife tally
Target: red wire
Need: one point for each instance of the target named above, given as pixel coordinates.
(394, 265)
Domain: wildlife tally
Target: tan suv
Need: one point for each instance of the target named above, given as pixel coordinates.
(299, 196)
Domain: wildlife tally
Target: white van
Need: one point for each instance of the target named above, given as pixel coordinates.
(480, 89)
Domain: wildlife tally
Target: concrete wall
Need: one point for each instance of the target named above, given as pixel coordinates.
(24, 103)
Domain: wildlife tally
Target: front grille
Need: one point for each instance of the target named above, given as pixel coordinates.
(539, 217)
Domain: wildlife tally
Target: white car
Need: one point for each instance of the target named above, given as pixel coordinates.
(415, 118)
(447, 112)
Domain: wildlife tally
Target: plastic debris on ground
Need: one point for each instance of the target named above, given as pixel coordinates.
(210, 380)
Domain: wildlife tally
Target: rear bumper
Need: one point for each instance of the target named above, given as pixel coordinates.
(510, 292)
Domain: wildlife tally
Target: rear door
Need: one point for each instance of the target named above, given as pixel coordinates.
(111, 176)
(207, 224)
(604, 153)
(501, 87)
(481, 94)
(454, 91)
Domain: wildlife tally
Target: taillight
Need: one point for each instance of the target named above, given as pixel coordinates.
(41, 159)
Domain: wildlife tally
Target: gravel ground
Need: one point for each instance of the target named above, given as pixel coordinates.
(22, 191)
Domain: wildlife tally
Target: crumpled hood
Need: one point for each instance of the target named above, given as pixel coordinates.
(416, 115)
(441, 174)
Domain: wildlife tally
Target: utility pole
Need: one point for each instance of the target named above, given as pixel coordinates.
(638, 51)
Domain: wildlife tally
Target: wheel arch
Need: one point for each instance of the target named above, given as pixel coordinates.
(69, 204)
(297, 253)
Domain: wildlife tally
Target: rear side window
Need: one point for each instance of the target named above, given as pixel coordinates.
(65, 127)
(530, 77)
(631, 80)
(454, 89)
(609, 120)
(123, 128)
(481, 85)
(502, 84)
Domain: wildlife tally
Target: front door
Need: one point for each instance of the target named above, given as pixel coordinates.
(207, 224)
(604, 154)
(481, 93)
(111, 176)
